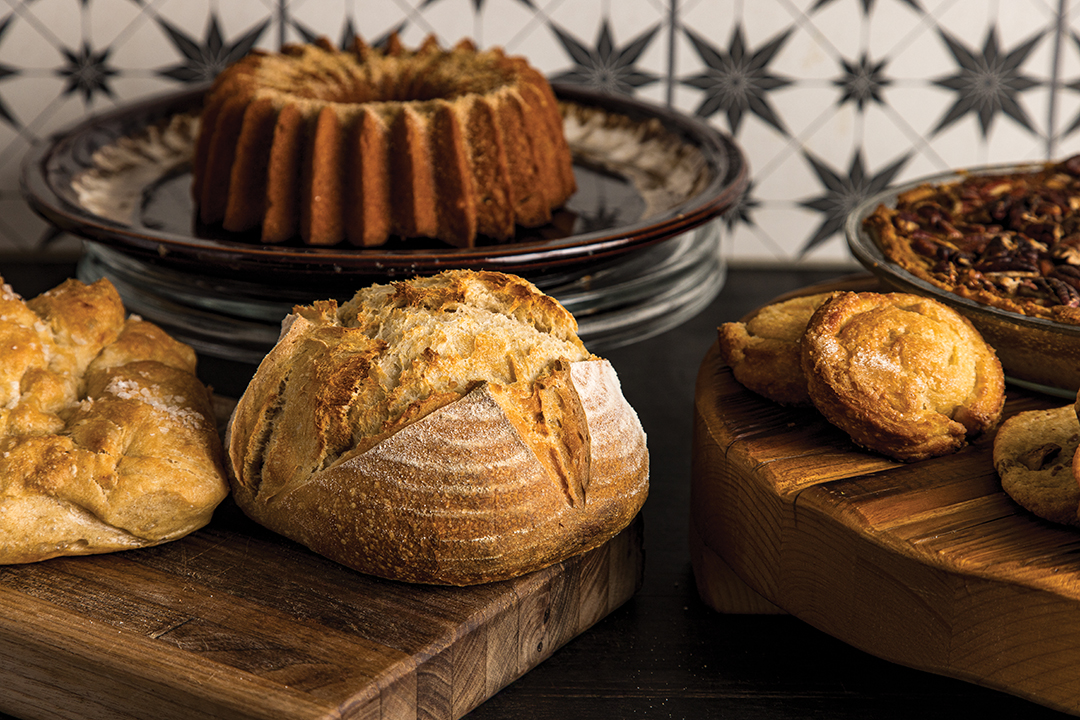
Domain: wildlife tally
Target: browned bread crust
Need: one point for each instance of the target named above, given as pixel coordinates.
(364, 144)
(901, 374)
(107, 438)
(763, 351)
(449, 430)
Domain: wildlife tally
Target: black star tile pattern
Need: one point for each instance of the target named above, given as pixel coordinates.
(744, 70)
(6, 71)
(348, 34)
(843, 192)
(737, 81)
(478, 5)
(987, 82)
(867, 5)
(862, 82)
(87, 72)
(1074, 86)
(742, 211)
(202, 61)
(604, 66)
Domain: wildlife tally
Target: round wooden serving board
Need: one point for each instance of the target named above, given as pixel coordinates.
(930, 565)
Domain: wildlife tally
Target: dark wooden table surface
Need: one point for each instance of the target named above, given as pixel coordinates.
(665, 654)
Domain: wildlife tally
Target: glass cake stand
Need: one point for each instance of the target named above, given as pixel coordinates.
(639, 295)
(635, 251)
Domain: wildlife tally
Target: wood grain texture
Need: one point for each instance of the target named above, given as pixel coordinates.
(929, 564)
(236, 622)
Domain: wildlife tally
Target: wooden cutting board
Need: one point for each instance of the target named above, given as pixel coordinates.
(930, 565)
(236, 622)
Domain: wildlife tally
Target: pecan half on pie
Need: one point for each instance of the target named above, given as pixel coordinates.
(1009, 240)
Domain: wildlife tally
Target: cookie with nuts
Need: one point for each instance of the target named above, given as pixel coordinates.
(1034, 453)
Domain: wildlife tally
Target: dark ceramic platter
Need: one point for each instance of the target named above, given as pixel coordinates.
(601, 221)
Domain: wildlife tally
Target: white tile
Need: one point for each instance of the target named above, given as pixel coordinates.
(326, 18)
(58, 22)
(449, 20)
(505, 24)
(112, 22)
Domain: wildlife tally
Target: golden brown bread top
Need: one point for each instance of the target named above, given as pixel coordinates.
(341, 379)
(318, 75)
(450, 429)
(902, 374)
(107, 438)
(459, 497)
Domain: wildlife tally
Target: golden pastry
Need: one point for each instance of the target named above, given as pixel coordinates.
(902, 374)
(107, 438)
(763, 351)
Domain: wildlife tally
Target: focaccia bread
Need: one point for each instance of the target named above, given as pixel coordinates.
(763, 351)
(1034, 455)
(107, 438)
(448, 430)
(903, 375)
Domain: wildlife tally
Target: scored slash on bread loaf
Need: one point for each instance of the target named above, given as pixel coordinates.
(107, 438)
(449, 430)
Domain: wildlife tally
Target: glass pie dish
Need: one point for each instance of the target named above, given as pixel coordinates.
(1035, 352)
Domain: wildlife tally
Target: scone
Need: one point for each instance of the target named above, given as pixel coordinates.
(1034, 457)
(763, 351)
(903, 375)
(449, 430)
(107, 438)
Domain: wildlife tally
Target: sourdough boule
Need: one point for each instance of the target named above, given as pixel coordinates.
(450, 430)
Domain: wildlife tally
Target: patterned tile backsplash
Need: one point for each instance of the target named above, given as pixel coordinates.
(829, 99)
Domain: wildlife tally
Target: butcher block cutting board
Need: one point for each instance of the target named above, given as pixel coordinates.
(236, 622)
(930, 565)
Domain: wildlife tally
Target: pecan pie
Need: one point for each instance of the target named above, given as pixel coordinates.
(1008, 240)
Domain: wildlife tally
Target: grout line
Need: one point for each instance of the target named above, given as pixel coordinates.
(1055, 81)
(673, 17)
(282, 22)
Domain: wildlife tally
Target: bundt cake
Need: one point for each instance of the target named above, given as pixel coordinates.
(365, 144)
